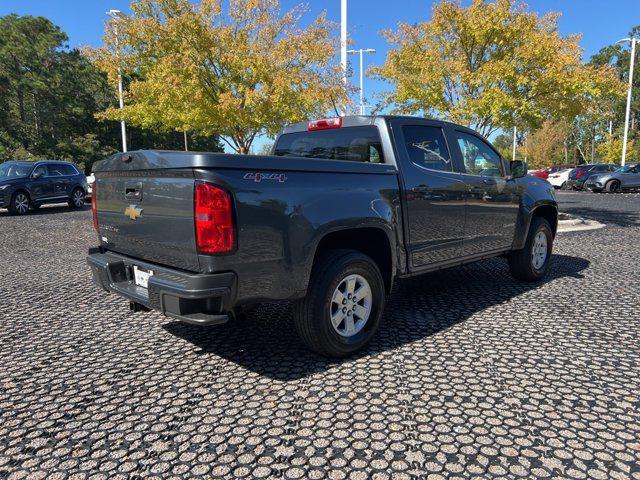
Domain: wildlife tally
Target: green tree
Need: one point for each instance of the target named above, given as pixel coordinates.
(239, 70)
(49, 95)
(491, 65)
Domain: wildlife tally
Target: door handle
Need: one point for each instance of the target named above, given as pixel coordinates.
(421, 189)
(133, 191)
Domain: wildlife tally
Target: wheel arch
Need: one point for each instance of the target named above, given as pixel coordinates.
(371, 241)
(546, 210)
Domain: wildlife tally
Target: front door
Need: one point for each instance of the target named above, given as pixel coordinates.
(434, 194)
(493, 200)
(41, 186)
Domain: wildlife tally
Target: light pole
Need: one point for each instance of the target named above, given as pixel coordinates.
(361, 51)
(118, 15)
(343, 44)
(627, 113)
(515, 133)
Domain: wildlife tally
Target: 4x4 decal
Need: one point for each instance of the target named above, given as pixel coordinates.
(259, 176)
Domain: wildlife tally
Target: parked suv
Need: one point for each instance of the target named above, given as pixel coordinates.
(624, 178)
(25, 185)
(579, 175)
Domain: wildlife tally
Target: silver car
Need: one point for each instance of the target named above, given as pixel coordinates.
(623, 178)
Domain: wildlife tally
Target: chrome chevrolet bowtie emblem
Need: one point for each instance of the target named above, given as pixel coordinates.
(133, 212)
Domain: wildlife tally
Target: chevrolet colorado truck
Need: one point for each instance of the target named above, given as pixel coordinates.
(341, 209)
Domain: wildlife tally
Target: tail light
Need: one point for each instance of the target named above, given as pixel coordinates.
(213, 219)
(325, 124)
(94, 204)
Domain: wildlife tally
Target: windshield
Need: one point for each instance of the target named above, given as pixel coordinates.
(14, 170)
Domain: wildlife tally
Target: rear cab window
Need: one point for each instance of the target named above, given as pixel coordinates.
(355, 144)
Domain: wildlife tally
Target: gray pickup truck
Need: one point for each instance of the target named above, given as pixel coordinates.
(340, 210)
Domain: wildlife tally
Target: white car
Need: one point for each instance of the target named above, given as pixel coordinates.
(559, 179)
(90, 181)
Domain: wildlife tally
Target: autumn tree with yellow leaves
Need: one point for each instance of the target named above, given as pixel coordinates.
(491, 65)
(236, 69)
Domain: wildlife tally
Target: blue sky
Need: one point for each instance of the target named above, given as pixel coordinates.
(601, 22)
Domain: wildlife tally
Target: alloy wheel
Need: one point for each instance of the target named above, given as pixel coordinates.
(78, 198)
(539, 251)
(351, 305)
(21, 203)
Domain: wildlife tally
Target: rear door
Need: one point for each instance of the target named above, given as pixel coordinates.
(146, 211)
(434, 194)
(59, 179)
(493, 200)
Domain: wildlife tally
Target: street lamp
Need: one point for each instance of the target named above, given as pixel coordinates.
(361, 51)
(118, 15)
(343, 40)
(627, 113)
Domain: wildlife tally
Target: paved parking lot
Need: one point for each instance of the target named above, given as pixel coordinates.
(472, 373)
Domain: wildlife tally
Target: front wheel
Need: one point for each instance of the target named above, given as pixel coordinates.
(343, 306)
(19, 203)
(77, 198)
(532, 262)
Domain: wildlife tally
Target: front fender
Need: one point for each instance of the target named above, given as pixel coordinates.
(536, 194)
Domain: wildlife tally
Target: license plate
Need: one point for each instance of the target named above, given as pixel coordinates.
(142, 276)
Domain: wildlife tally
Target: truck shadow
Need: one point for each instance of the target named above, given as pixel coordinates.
(264, 340)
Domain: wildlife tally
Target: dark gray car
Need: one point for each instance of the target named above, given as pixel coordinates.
(623, 178)
(28, 185)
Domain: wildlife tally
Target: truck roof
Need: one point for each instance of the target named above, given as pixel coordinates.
(365, 120)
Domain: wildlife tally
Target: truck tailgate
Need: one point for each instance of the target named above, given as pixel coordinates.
(148, 213)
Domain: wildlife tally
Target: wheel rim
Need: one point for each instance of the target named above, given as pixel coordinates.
(78, 198)
(614, 187)
(539, 251)
(351, 305)
(22, 203)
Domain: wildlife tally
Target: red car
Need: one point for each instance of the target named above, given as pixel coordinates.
(544, 173)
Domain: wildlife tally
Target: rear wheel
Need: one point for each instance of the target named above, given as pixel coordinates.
(77, 198)
(532, 262)
(613, 186)
(19, 203)
(343, 306)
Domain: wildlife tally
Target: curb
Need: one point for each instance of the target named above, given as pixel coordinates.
(572, 223)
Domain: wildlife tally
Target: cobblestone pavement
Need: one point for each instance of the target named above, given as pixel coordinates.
(472, 373)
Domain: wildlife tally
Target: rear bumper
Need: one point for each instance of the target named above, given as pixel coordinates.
(202, 299)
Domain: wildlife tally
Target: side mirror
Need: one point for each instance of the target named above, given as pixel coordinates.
(518, 169)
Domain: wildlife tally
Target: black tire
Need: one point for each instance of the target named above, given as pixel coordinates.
(20, 203)
(612, 186)
(312, 314)
(521, 263)
(77, 198)
(564, 186)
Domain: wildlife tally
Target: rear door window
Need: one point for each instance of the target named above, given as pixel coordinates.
(355, 144)
(55, 170)
(426, 147)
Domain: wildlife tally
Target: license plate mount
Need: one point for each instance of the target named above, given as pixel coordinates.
(141, 276)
